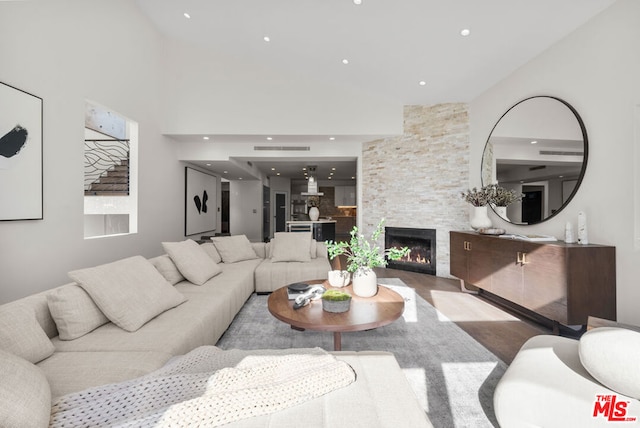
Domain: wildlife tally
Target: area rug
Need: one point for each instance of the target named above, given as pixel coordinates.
(452, 375)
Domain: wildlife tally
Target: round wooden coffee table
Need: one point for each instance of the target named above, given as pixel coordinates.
(366, 312)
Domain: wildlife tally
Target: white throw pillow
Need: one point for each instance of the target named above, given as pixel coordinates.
(234, 248)
(167, 268)
(22, 335)
(192, 261)
(611, 356)
(25, 395)
(73, 311)
(130, 292)
(291, 247)
(211, 250)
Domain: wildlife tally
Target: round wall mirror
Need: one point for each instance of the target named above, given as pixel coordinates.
(539, 149)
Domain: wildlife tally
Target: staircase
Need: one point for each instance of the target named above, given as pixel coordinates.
(113, 182)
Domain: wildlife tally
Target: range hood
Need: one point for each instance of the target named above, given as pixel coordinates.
(312, 185)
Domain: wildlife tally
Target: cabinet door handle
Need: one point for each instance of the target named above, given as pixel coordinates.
(521, 258)
(467, 246)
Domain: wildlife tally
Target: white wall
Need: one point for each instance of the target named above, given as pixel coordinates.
(597, 70)
(67, 52)
(245, 209)
(217, 94)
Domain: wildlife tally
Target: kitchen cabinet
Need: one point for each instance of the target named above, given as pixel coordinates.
(562, 282)
(345, 196)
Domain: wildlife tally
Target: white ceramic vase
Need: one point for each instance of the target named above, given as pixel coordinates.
(314, 213)
(502, 212)
(480, 218)
(365, 282)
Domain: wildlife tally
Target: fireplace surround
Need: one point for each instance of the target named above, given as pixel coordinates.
(421, 242)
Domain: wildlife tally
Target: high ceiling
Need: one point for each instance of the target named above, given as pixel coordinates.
(405, 51)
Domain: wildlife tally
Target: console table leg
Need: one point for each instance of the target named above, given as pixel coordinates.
(465, 289)
(337, 341)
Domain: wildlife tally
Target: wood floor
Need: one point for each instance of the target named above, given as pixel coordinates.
(497, 329)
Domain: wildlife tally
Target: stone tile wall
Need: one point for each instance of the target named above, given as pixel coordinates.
(415, 180)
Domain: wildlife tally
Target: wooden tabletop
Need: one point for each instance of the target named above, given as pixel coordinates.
(365, 312)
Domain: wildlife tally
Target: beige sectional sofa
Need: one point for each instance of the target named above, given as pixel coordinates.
(128, 318)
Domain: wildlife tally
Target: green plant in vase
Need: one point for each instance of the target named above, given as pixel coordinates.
(362, 256)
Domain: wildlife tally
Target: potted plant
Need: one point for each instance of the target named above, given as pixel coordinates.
(336, 301)
(479, 200)
(362, 256)
(314, 203)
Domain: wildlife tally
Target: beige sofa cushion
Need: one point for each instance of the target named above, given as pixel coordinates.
(167, 268)
(192, 261)
(291, 247)
(21, 335)
(129, 292)
(25, 396)
(611, 356)
(73, 311)
(234, 249)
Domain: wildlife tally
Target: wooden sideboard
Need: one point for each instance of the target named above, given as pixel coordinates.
(565, 283)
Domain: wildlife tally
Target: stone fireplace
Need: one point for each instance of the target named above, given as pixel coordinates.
(415, 179)
(422, 246)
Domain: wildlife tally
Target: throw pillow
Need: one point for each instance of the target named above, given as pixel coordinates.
(25, 395)
(22, 335)
(291, 247)
(73, 311)
(167, 268)
(192, 261)
(129, 292)
(211, 250)
(234, 248)
(611, 356)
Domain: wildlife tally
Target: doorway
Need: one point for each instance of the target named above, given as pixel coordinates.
(281, 212)
(532, 204)
(266, 213)
(224, 207)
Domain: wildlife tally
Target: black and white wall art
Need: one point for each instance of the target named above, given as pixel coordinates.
(20, 155)
(200, 202)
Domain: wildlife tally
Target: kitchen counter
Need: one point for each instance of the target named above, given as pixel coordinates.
(322, 230)
(310, 221)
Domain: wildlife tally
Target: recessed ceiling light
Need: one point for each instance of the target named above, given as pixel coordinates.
(225, 172)
(333, 169)
(465, 32)
(358, 2)
(208, 164)
(239, 178)
(345, 61)
(186, 15)
(534, 142)
(269, 138)
(273, 169)
(304, 169)
(353, 178)
(332, 138)
(329, 177)
(561, 176)
(277, 173)
(266, 38)
(422, 83)
(205, 138)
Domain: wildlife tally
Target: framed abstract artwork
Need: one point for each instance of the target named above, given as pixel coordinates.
(21, 184)
(199, 202)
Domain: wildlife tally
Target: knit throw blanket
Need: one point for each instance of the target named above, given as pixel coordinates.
(207, 387)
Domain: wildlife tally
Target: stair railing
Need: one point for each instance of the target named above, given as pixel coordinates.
(100, 156)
